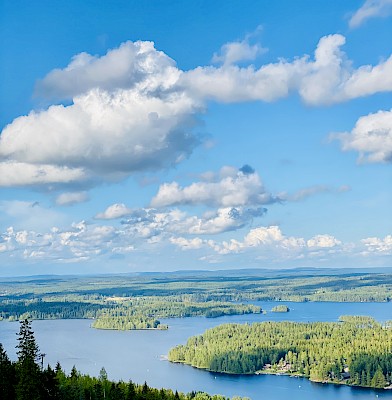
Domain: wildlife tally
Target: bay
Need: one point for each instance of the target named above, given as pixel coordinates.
(139, 355)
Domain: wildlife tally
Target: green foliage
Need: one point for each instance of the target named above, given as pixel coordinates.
(7, 376)
(138, 302)
(280, 308)
(358, 351)
(27, 346)
(27, 369)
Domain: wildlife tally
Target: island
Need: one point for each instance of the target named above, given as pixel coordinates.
(140, 301)
(355, 351)
(280, 308)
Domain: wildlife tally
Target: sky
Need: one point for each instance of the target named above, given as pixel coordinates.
(170, 135)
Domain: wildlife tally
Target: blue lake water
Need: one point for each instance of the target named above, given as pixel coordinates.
(137, 355)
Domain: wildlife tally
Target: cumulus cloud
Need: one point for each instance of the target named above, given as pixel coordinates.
(70, 198)
(371, 137)
(146, 229)
(326, 79)
(368, 80)
(219, 221)
(114, 211)
(19, 173)
(133, 110)
(187, 244)
(241, 50)
(125, 117)
(271, 239)
(152, 222)
(135, 65)
(268, 243)
(100, 135)
(323, 241)
(370, 9)
(378, 245)
(230, 188)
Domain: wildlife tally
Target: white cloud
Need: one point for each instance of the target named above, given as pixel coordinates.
(70, 198)
(219, 221)
(151, 222)
(271, 239)
(323, 241)
(125, 117)
(135, 65)
(133, 110)
(83, 242)
(241, 50)
(15, 173)
(371, 137)
(328, 78)
(368, 80)
(377, 245)
(323, 77)
(229, 84)
(234, 52)
(370, 9)
(139, 67)
(187, 244)
(231, 188)
(114, 211)
(101, 135)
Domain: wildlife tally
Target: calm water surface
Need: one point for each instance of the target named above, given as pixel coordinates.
(138, 354)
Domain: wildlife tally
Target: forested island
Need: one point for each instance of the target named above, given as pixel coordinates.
(27, 379)
(139, 301)
(356, 351)
(280, 308)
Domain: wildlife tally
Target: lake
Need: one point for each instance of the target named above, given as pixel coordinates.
(138, 355)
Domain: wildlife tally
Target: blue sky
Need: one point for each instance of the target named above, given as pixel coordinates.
(168, 135)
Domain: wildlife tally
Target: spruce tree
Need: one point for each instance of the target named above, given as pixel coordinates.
(131, 393)
(378, 380)
(29, 377)
(28, 348)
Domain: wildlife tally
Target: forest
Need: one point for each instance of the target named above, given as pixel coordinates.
(27, 379)
(138, 301)
(356, 351)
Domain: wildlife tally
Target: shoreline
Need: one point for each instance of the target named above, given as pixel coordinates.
(289, 374)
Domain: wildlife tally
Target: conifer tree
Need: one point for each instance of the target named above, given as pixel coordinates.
(131, 393)
(28, 385)
(28, 348)
(7, 376)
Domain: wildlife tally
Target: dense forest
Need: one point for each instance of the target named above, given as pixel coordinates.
(26, 379)
(139, 301)
(119, 313)
(355, 351)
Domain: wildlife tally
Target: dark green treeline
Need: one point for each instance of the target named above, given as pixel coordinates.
(356, 351)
